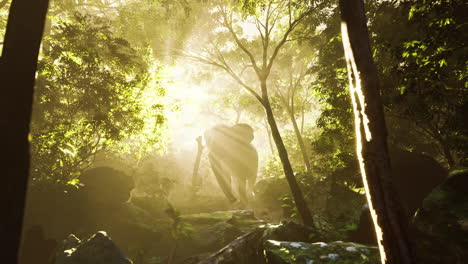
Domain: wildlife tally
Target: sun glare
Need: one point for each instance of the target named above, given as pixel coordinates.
(187, 99)
(249, 30)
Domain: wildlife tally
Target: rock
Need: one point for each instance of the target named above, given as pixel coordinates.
(196, 259)
(98, 249)
(58, 209)
(213, 231)
(134, 230)
(70, 242)
(268, 190)
(35, 247)
(63, 209)
(246, 249)
(414, 177)
(258, 247)
(106, 187)
(440, 226)
(282, 252)
(290, 231)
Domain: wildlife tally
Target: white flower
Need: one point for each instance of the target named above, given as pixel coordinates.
(295, 245)
(351, 249)
(333, 256)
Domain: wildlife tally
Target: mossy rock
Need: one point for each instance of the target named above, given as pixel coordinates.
(282, 252)
(441, 225)
(290, 231)
(98, 249)
(105, 187)
(212, 231)
(243, 220)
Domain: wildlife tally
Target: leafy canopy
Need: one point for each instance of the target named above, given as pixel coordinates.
(93, 91)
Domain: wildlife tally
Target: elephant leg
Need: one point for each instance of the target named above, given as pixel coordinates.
(241, 184)
(250, 185)
(223, 178)
(252, 172)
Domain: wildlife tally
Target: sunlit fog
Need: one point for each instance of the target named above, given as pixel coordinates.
(247, 132)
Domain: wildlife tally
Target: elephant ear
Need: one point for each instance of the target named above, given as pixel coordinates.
(243, 133)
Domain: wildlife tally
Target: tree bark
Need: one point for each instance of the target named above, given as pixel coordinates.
(296, 192)
(371, 136)
(300, 140)
(269, 138)
(292, 116)
(17, 72)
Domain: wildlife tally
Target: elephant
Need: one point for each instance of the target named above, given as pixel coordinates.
(233, 157)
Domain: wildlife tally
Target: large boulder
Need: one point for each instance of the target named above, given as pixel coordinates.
(441, 225)
(262, 245)
(133, 230)
(290, 231)
(58, 209)
(106, 187)
(212, 231)
(35, 247)
(63, 209)
(254, 247)
(98, 249)
(282, 252)
(414, 176)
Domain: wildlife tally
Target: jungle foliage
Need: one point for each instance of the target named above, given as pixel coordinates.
(131, 84)
(88, 99)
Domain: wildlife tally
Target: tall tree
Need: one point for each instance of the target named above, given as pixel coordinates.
(274, 22)
(294, 93)
(17, 72)
(371, 136)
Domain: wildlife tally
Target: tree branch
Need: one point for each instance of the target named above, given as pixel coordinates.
(292, 26)
(228, 25)
(223, 65)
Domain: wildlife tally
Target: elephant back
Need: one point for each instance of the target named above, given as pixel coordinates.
(243, 133)
(225, 140)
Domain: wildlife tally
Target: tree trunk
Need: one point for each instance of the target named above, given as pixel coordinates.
(195, 177)
(17, 72)
(300, 140)
(371, 136)
(269, 138)
(283, 154)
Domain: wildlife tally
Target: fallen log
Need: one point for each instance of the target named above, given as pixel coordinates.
(243, 250)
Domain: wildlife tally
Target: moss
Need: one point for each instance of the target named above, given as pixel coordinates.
(279, 252)
(435, 199)
(439, 226)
